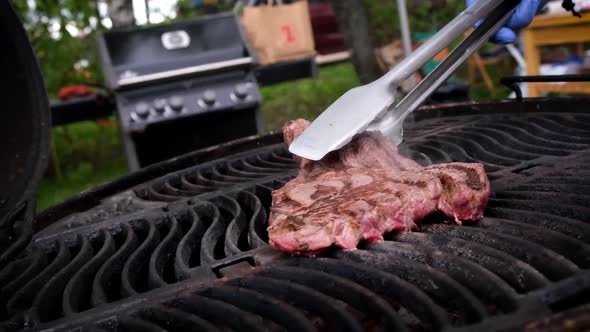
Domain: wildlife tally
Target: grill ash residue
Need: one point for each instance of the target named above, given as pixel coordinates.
(120, 205)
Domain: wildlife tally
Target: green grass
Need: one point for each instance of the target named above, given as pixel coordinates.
(89, 155)
(306, 98)
(84, 155)
(85, 176)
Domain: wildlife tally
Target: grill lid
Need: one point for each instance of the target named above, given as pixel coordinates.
(146, 55)
(25, 125)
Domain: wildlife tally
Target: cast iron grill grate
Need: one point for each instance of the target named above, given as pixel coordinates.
(268, 163)
(189, 250)
(16, 230)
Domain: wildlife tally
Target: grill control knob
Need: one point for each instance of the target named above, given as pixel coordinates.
(209, 97)
(241, 91)
(176, 103)
(142, 110)
(160, 105)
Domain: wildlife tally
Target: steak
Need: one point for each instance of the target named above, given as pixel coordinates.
(365, 190)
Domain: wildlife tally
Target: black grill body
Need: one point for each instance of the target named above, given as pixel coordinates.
(25, 135)
(25, 132)
(183, 246)
(181, 86)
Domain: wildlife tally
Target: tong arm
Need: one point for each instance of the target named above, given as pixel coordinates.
(391, 123)
(441, 40)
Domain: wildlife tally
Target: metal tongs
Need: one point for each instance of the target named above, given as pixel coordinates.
(369, 107)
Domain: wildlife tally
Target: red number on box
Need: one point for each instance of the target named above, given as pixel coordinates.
(288, 33)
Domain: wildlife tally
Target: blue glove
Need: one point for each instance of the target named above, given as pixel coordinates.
(523, 16)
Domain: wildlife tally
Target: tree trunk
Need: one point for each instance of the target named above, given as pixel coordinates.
(121, 13)
(353, 19)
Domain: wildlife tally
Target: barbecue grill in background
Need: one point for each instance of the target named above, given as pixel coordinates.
(181, 86)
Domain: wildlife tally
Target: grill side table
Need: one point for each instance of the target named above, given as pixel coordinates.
(554, 30)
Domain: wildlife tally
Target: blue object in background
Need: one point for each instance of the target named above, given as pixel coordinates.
(204, 3)
(522, 17)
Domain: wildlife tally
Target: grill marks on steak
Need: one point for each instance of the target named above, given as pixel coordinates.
(466, 189)
(356, 206)
(367, 189)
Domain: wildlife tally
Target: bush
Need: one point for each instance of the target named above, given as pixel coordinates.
(424, 16)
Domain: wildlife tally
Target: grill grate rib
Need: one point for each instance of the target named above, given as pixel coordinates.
(519, 275)
(77, 297)
(487, 285)
(16, 230)
(531, 253)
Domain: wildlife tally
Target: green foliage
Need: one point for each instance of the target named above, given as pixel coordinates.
(424, 16)
(185, 9)
(385, 20)
(53, 27)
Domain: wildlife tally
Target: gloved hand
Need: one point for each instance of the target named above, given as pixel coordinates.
(523, 16)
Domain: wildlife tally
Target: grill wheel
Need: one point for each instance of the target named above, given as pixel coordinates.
(188, 250)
